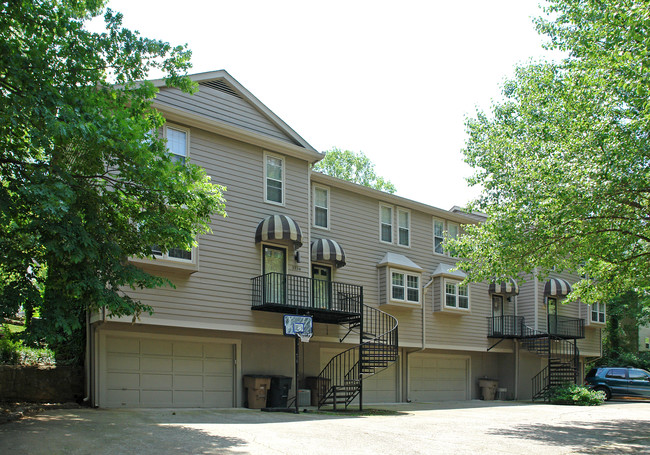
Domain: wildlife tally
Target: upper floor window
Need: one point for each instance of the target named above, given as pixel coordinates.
(274, 178)
(177, 140)
(321, 207)
(404, 227)
(443, 230)
(172, 253)
(456, 295)
(598, 312)
(386, 223)
(405, 287)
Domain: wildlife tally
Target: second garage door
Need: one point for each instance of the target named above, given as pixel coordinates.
(159, 372)
(438, 378)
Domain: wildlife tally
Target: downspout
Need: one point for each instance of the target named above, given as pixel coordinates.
(516, 391)
(424, 339)
(87, 359)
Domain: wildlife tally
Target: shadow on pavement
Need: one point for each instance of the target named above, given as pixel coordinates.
(622, 436)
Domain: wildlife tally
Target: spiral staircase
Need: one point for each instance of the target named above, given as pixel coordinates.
(341, 381)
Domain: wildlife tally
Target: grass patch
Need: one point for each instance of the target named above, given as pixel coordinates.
(13, 328)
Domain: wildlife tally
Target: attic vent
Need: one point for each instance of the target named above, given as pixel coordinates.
(221, 86)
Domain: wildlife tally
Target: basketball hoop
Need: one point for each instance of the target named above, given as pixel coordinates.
(304, 337)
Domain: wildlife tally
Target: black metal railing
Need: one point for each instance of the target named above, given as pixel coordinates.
(341, 380)
(505, 326)
(299, 292)
(563, 363)
(566, 327)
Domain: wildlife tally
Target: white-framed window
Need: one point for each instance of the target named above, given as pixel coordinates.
(443, 230)
(456, 295)
(273, 179)
(598, 311)
(438, 236)
(385, 223)
(321, 207)
(174, 254)
(403, 227)
(405, 287)
(178, 139)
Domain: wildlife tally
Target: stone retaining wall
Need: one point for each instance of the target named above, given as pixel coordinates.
(41, 384)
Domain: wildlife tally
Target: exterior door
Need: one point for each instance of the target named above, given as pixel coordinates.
(274, 269)
(497, 314)
(638, 383)
(322, 288)
(551, 306)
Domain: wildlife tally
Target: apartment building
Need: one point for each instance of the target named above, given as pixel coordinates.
(392, 321)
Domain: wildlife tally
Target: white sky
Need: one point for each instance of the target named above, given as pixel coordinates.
(394, 80)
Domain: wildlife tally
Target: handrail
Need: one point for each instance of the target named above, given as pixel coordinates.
(566, 326)
(505, 326)
(293, 291)
(342, 377)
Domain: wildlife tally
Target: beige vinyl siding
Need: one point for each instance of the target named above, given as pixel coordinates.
(355, 226)
(220, 292)
(216, 105)
(526, 301)
(590, 346)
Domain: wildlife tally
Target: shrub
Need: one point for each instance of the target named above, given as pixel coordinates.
(13, 352)
(576, 394)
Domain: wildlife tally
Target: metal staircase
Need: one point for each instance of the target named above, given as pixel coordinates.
(563, 361)
(341, 381)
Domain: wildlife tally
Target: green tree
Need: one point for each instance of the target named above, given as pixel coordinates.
(564, 159)
(353, 167)
(85, 182)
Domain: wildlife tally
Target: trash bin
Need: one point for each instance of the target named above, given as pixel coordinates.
(316, 394)
(279, 392)
(256, 387)
(488, 388)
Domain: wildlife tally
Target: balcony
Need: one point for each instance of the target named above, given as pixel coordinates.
(505, 326)
(325, 301)
(565, 327)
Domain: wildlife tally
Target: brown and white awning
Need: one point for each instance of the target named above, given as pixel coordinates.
(557, 287)
(508, 287)
(327, 250)
(279, 228)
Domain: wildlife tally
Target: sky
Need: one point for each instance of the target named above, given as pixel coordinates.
(396, 81)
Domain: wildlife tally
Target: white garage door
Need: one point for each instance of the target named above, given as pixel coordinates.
(378, 388)
(156, 372)
(438, 378)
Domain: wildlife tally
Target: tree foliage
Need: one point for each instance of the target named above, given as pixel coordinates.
(564, 159)
(353, 167)
(85, 182)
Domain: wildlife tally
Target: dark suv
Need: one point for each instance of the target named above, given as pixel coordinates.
(618, 381)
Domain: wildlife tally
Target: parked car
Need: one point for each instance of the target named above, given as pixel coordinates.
(619, 381)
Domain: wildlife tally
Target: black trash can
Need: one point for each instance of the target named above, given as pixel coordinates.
(279, 392)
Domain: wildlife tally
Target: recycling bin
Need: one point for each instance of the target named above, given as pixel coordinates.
(256, 389)
(279, 392)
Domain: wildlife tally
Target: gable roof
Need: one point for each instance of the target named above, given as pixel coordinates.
(249, 120)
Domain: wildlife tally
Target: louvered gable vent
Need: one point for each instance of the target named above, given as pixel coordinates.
(221, 86)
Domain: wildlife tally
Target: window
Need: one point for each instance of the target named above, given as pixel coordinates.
(172, 253)
(386, 223)
(177, 139)
(441, 231)
(456, 295)
(616, 373)
(598, 313)
(321, 207)
(403, 227)
(405, 287)
(274, 177)
(638, 375)
(438, 236)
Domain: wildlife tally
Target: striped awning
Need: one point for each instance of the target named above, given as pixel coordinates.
(508, 287)
(279, 228)
(327, 250)
(557, 287)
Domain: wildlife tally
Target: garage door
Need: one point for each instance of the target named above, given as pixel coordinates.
(437, 378)
(155, 372)
(378, 388)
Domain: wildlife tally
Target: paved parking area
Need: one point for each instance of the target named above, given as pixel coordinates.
(473, 427)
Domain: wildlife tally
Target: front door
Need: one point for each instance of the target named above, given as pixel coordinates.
(497, 314)
(551, 306)
(322, 288)
(274, 269)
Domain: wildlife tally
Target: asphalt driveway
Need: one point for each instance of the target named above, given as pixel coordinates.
(473, 427)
